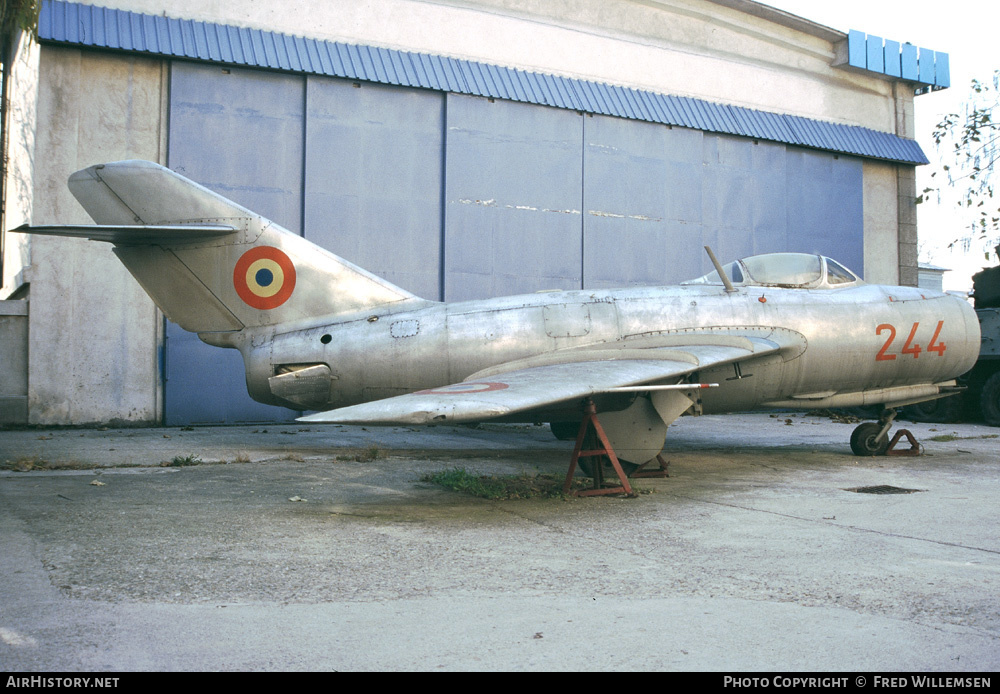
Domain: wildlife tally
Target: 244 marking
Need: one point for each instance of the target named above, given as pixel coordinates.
(909, 346)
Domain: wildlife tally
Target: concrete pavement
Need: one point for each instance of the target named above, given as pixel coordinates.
(753, 556)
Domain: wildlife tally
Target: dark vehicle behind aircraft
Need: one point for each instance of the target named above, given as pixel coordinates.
(981, 400)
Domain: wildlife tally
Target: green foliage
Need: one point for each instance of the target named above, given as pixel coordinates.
(24, 464)
(19, 14)
(369, 454)
(969, 144)
(522, 486)
(183, 461)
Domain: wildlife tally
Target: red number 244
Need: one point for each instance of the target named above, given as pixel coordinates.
(909, 347)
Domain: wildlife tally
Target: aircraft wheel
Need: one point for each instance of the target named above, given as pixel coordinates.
(636, 434)
(586, 464)
(565, 431)
(989, 400)
(863, 441)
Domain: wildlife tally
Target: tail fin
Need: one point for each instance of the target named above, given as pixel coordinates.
(208, 263)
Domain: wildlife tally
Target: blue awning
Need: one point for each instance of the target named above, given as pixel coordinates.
(98, 27)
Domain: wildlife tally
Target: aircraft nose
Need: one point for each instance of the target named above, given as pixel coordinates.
(967, 349)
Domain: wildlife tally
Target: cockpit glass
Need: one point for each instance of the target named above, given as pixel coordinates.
(732, 270)
(838, 274)
(784, 269)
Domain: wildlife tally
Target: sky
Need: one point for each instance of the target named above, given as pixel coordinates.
(965, 30)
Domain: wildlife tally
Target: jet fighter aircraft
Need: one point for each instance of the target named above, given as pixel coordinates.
(319, 333)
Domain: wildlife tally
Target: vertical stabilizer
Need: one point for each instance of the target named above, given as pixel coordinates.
(166, 230)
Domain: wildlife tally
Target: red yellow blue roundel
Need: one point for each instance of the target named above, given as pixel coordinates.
(264, 277)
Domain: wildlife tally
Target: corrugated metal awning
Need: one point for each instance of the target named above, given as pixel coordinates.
(98, 27)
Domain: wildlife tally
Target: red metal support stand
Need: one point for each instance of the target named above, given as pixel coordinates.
(593, 434)
(914, 448)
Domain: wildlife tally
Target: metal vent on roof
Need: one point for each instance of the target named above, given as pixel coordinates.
(120, 30)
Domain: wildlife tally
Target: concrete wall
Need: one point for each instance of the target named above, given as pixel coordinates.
(21, 122)
(881, 223)
(94, 334)
(20, 159)
(14, 364)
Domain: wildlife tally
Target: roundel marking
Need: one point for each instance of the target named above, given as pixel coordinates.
(264, 277)
(463, 389)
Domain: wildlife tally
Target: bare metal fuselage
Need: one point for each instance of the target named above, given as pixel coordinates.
(319, 333)
(840, 347)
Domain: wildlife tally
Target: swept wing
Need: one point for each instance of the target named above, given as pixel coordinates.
(527, 386)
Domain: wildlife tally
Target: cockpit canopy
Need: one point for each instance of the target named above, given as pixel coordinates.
(801, 270)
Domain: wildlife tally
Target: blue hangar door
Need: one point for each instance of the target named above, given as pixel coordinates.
(457, 197)
(355, 169)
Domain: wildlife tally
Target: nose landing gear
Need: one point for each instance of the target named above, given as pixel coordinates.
(872, 438)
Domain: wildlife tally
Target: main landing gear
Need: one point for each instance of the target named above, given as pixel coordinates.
(872, 438)
(592, 443)
(595, 455)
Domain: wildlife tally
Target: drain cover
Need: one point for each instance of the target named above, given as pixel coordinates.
(881, 489)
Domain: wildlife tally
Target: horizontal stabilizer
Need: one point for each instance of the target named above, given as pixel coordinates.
(135, 235)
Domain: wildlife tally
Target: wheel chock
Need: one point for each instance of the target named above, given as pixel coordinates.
(914, 449)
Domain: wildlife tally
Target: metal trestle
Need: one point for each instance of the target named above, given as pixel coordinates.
(592, 442)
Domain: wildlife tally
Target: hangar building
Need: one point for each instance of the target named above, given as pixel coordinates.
(460, 148)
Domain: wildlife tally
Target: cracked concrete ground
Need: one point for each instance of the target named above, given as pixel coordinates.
(753, 556)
